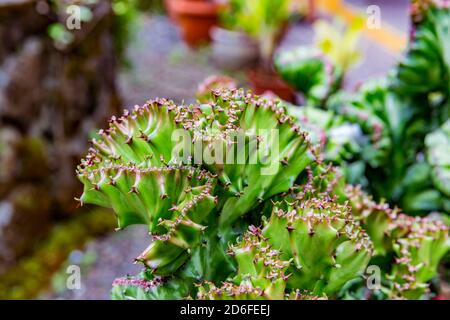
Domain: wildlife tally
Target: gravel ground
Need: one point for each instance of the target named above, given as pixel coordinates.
(163, 66)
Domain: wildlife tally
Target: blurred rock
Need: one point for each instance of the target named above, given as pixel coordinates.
(51, 98)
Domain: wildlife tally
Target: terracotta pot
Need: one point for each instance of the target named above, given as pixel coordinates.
(168, 4)
(233, 50)
(195, 18)
(264, 82)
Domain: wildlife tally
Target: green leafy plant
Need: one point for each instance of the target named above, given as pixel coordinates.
(411, 103)
(386, 125)
(233, 230)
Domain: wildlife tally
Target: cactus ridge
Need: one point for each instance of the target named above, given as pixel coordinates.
(146, 285)
(326, 245)
(418, 244)
(140, 136)
(376, 218)
(149, 195)
(230, 291)
(173, 201)
(419, 247)
(298, 294)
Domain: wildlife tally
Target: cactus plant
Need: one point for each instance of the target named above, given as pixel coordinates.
(428, 53)
(133, 169)
(410, 104)
(310, 242)
(212, 83)
(415, 244)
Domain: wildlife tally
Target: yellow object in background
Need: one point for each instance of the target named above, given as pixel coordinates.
(387, 36)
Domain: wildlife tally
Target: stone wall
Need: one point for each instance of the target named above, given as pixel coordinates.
(51, 98)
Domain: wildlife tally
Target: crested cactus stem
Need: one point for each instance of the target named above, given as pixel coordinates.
(419, 247)
(173, 201)
(319, 234)
(326, 245)
(375, 218)
(418, 244)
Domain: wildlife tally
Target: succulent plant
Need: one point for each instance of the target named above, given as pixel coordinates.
(261, 272)
(263, 20)
(308, 71)
(310, 242)
(414, 245)
(427, 56)
(418, 252)
(135, 169)
(438, 156)
(380, 135)
(212, 83)
(253, 175)
(326, 246)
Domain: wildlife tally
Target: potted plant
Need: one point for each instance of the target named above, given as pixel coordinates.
(318, 71)
(195, 18)
(265, 21)
(232, 48)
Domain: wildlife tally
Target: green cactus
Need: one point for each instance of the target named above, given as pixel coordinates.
(375, 218)
(418, 252)
(261, 272)
(171, 201)
(311, 243)
(309, 236)
(326, 251)
(135, 168)
(415, 244)
(275, 151)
